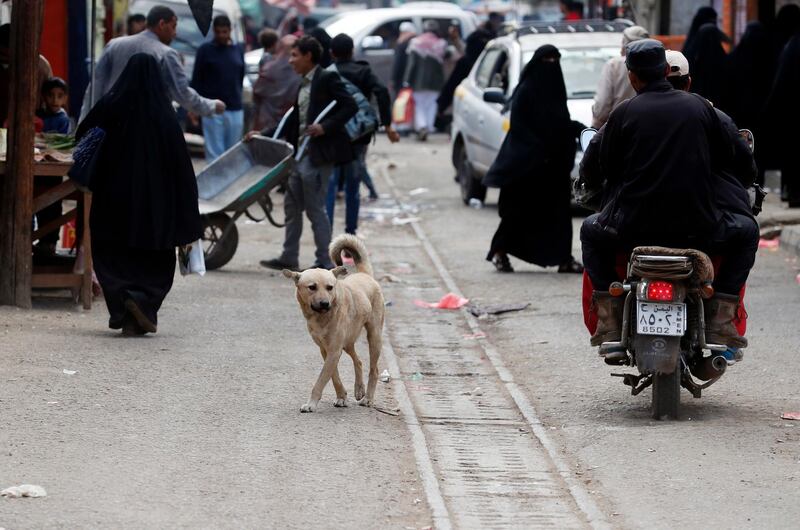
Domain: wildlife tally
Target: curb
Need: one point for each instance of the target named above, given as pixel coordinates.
(790, 239)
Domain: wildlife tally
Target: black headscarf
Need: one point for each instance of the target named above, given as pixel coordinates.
(476, 42)
(145, 191)
(707, 63)
(705, 15)
(750, 73)
(325, 40)
(541, 133)
(787, 23)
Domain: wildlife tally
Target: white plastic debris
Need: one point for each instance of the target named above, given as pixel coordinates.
(70, 372)
(418, 191)
(477, 391)
(25, 490)
(385, 376)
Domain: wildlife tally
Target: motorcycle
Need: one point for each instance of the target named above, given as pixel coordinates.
(663, 327)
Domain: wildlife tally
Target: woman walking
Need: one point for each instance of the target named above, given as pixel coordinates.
(532, 171)
(144, 196)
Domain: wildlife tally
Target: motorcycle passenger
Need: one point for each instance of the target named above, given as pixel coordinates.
(661, 153)
(733, 181)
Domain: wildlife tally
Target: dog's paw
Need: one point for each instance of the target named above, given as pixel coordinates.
(308, 407)
(360, 392)
(365, 402)
(341, 402)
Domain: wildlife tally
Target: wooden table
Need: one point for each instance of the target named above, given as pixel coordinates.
(62, 276)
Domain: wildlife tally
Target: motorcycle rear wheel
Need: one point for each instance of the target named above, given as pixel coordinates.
(666, 395)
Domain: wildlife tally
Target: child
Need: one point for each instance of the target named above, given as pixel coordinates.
(52, 113)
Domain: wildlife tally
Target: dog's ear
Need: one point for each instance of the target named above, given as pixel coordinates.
(292, 275)
(340, 271)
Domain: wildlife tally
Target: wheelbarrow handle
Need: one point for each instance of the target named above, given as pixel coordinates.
(281, 123)
(301, 151)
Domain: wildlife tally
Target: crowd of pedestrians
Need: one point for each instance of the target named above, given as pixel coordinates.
(307, 70)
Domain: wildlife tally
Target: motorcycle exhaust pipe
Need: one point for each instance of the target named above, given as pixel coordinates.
(710, 367)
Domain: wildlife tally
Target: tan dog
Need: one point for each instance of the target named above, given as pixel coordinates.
(337, 307)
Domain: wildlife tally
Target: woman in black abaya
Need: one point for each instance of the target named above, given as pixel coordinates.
(704, 15)
(707, 59)
(144, 200)
(532, 171)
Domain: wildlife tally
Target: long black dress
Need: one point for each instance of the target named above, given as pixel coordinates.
(533, 167)
(783, 114)
(144, 201)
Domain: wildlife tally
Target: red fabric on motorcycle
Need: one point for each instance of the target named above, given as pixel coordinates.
(590, 315)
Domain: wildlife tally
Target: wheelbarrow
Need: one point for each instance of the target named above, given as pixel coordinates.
(235, 184)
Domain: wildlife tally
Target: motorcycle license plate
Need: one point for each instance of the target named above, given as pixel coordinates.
(660, 319)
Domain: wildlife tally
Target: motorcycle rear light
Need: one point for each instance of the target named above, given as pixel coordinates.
(616, 289)
(660, 291)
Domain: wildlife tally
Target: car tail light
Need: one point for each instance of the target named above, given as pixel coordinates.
(660, 291)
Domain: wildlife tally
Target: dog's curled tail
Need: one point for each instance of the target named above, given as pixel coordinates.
(355, 247)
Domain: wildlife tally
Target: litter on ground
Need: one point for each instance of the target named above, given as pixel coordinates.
(771, 244)
(385, 376)
(448, 301)
(496, 309)
(791, 416)
(418, 191)
(399, 221)
(25, 490)
(70, 372)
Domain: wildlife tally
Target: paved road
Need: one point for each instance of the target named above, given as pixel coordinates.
(510, 421)
(731, 462)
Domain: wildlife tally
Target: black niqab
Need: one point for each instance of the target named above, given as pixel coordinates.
(145, 191)
(533, 167)
(707, 63)
(705, 15)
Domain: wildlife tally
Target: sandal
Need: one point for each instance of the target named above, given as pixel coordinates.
(501, 263)
(571, 266)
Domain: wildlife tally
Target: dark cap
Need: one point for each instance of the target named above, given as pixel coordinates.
(646, 54)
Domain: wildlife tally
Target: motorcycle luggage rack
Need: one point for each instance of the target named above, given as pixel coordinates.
(670, 267)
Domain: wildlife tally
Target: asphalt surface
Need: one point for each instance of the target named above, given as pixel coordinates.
(506, 421)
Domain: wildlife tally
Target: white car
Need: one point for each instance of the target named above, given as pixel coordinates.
(375, 31)
(480, 120)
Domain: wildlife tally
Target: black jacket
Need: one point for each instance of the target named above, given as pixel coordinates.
(334, 146)
(739, 175)
(731, 184)
(361, 75)
(660, 152)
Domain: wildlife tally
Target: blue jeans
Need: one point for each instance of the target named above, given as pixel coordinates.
(352, 172)
(221, 132)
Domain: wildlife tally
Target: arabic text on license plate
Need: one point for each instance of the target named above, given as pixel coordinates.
(661, 319)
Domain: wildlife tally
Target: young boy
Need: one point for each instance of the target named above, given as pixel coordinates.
(52, 113)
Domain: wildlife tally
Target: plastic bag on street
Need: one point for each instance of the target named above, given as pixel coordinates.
(26, 490)
(191, 259)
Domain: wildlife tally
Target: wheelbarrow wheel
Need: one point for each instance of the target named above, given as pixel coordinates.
(220, 239)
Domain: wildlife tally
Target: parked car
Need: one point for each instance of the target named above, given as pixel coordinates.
(480, 119)
(375, 31)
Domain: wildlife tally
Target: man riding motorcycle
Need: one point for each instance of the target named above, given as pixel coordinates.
(661, 156)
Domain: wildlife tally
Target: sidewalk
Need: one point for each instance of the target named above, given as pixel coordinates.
(777, 215)
(199, 425)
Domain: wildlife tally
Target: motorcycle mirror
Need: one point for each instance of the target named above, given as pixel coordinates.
(586, 137)
(747, 136)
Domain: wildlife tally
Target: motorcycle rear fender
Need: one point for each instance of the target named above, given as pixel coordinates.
(656, 354)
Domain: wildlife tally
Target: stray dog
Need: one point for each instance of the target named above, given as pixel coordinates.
(337, 306)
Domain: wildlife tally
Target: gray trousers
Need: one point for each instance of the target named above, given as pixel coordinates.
(306, 190)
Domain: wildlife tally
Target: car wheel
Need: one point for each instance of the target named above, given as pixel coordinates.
(471, 187)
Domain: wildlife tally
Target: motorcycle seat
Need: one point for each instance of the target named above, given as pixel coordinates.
(671, 263)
